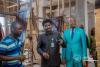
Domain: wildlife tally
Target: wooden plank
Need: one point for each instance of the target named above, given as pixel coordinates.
(97, 32)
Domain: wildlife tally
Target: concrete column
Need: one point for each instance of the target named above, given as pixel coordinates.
(86, 16)
(80, 11)
(41, 13)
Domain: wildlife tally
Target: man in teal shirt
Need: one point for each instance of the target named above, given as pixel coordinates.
(75, 52)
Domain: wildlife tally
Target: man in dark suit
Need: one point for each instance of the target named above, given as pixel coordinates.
(49, 45)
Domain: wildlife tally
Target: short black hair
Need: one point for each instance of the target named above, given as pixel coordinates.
(13, 24)
(47, 21)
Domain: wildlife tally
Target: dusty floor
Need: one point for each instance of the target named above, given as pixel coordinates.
(36, 65)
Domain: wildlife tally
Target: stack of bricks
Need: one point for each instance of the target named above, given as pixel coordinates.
(97, 26)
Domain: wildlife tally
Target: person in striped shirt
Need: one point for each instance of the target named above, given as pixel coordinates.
(10, 47)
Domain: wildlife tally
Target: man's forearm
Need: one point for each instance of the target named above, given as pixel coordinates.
(40, 51)
(7, 58)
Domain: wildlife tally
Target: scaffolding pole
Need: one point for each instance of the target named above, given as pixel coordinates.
(76, 15)
(58, 7)
(31, 42)
(18, 7)
(4, 7)
(63, 6)
(8, 13)
(69, 8)
(37, 7)
(86, 16)
(50, 8)
(37, 15)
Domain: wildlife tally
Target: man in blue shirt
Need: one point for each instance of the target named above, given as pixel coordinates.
(10, 47)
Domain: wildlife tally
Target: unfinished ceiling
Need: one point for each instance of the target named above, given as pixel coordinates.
(11, 6)
(5, 4)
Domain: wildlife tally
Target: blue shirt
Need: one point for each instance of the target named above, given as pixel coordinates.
(10, 47)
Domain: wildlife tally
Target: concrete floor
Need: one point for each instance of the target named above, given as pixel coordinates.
(90, 65)
(37, 65)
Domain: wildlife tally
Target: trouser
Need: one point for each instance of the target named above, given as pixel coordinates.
(49, 66)
(73, 63)
(16, 65)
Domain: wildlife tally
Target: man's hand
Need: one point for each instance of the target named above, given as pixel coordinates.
(84, 63)
(46, 55)
(60, 42)
(21, 58)
(63, 62)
